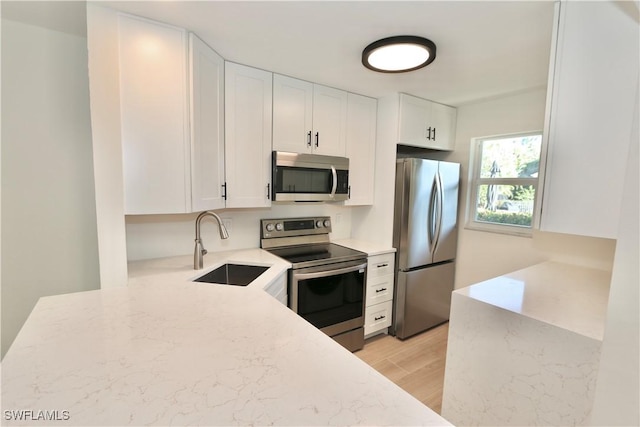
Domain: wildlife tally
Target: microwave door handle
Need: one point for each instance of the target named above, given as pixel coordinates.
(328, 273)
(335, 181)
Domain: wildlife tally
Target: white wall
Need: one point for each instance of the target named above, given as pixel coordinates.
(617, 394)
(154, 236)
(49, 241)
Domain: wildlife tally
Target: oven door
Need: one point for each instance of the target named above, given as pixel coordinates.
(330, 297)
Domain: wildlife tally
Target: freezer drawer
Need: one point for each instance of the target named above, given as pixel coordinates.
(423, 299)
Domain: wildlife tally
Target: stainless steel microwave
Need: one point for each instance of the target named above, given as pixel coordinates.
(309, 178)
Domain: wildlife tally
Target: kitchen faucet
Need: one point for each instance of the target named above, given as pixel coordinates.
(200, 251)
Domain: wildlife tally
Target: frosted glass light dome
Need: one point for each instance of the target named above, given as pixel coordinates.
(399, 54)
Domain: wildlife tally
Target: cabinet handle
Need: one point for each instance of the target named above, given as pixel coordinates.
(434, 133)
(428, 133)
(224, 191)
(349, 193)
(381, 290)
(382, 265)
(309, 139)
(268, 192)
(379, 318)
(317, 139)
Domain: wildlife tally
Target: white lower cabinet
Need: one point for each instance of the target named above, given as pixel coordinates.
(379, 295)
(377, 318)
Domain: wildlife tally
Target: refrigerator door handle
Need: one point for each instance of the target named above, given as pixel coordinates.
(439, 195)
(432, 218)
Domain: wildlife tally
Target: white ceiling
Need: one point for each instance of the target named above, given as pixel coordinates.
(484, 48)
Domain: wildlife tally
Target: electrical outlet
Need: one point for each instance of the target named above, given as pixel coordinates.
(228, 223)
(338, 218)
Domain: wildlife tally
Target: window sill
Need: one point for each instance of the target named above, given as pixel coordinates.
(500, 229)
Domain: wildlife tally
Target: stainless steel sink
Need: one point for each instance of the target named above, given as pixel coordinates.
(233, 274)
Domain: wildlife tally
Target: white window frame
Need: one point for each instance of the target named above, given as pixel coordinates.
(475, 166)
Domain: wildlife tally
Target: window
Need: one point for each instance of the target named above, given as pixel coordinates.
(504, 182)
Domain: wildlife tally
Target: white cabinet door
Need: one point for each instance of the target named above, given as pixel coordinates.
(414, 117)
(329, 121)
(589, 118)
(361, 148)
(248, 115)
(292, 114)
(154, 116)
(207, 126)
(426, 124)
(308, 118)
(443, 119)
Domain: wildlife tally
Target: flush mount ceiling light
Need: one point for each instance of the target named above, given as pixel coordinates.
(399, 54)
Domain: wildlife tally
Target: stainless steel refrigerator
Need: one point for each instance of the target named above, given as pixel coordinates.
(425, 236)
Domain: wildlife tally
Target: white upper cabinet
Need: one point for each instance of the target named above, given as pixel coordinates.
(171, 103)
(154, 114)
(308, 118)
(592, 90)
(292, 114)
(329, 120)
(426, 124)
(207, 126)
(361, 148)
(248, 130)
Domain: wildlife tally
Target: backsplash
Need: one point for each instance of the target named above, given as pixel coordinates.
(157, 236)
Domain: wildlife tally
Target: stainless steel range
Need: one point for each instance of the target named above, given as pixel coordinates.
(327, 282)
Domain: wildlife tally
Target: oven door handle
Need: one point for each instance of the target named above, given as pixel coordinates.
(328, 273)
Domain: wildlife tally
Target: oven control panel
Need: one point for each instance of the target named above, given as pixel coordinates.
(292, 227)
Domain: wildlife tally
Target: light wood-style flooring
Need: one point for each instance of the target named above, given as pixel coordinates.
(415, 364)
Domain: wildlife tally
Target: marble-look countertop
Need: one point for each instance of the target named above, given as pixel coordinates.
(168, 351)
(369, 248)
(524, 348)
(567, 296)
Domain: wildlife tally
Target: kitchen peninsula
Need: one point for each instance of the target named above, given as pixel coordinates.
(524, 348)
(167, 351)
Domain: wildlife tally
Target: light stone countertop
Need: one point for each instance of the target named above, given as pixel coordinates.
(567, 296)
(167, 351)
(369, 248)
(536, 337)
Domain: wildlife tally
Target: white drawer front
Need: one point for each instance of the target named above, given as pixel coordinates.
(379, 289)
(377, 317)
(380, 265)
